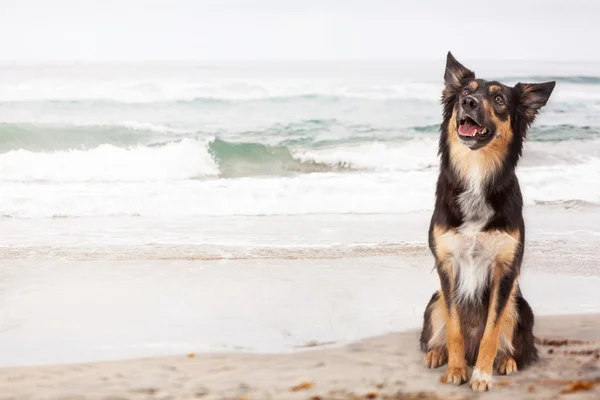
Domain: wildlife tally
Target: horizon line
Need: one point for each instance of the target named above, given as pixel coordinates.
(33, 62)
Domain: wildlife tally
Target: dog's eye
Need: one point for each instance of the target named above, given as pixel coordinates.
(498, 99)
(465, 92)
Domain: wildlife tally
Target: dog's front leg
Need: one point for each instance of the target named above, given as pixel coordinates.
(502, 291)
(441, 239)
(456, 372)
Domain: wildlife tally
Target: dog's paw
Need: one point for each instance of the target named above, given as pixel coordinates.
(480, 381)
(507, 365)
(436, 358)
(455, 375)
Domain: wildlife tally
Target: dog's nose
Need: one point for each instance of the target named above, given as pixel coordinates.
(470, 103)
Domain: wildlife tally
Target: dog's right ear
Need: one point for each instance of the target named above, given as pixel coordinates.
(455, 75)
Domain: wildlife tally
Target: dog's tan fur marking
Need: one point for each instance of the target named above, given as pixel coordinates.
(473, 86)
(508, 324)
(494, 88)
(438, 326)
(457, 367)
(485, 161)
(442, 250)
(516, 235)
(507, 248)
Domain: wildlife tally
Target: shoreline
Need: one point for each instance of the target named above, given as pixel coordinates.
(537, 256)
(383, 367)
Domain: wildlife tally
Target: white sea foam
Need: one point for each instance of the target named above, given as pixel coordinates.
(147, 126)
(179, 179)
(406, 156)
(355, 193)
(178, 160)
(312, 193)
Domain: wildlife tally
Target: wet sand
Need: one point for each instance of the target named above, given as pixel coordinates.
(385, 367)
(103, 310)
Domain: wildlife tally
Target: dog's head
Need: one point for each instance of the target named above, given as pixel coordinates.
(480, 112)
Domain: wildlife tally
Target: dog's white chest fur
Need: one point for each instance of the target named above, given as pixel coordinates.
(473, 251)
(475, 209)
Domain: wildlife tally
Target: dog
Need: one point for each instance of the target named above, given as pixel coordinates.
(477, 234)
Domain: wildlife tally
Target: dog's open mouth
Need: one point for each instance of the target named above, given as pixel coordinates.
(469, 128)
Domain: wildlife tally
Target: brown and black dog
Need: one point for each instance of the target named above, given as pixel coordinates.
(477, 231)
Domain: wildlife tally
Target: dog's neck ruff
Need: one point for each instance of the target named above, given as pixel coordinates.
(475, 209)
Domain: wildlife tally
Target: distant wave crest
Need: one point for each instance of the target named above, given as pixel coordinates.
(575, 79)
(304, 134)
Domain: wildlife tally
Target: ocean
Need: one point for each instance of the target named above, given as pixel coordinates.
(188, 140)
(153, 208)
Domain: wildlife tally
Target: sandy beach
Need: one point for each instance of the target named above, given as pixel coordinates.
(384, 367)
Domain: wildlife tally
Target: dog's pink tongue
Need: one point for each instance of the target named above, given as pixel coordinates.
(468, 129)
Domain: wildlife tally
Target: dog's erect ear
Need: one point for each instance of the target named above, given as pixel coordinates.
(455, 74)
(532, 97)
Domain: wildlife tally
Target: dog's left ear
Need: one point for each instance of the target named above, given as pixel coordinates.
(456, 74)
(532, 97)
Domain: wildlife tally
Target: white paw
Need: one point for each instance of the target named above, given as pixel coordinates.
(481, 381)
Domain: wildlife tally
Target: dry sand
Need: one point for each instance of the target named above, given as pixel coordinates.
(386, 367)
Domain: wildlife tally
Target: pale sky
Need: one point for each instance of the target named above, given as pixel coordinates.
(176, 30)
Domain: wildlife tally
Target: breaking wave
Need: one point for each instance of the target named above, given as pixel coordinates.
(209, 158)
(216, 157)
